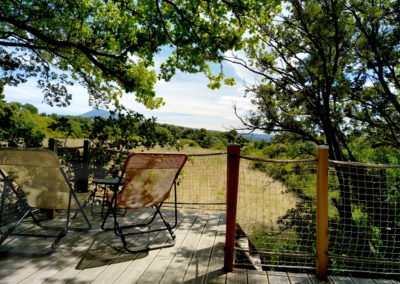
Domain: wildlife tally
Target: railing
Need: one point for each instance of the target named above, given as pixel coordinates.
(276, 214)
(202, 183)
(364, 218)
(314, 215)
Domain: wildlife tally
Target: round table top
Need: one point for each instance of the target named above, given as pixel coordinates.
(107, 181)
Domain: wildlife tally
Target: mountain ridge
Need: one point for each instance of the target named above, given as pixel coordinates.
(106, 114)
(96, 112)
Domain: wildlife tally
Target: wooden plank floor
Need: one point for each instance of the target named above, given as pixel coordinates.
(99, 257)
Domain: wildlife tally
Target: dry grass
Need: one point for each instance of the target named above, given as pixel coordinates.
(261, 200)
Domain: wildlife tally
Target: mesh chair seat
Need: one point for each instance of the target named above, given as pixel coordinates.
(149, 179)
(38, 173)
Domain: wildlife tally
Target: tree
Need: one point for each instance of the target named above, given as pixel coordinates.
(109, 46)
(377, 50)
(115, 136)
(331, 75)
(31, 108)
(62, 125)
(16, 126)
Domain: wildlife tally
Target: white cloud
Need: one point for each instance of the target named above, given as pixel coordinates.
(188, 100)
(248, 77)
(29, 93)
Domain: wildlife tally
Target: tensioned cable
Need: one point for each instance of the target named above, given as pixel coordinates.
(207, 154)
(278, 161)
(364, 165)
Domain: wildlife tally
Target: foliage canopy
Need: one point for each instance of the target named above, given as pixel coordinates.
(109, 46)
(330, 74)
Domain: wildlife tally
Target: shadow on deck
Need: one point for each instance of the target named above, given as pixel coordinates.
(99, 257)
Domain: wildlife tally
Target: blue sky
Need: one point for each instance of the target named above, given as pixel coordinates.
(188, 100)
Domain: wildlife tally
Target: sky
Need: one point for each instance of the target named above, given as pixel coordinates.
(188, 100)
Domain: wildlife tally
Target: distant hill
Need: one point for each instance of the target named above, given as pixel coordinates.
(106, 114)
(97, 112)
(254, 136)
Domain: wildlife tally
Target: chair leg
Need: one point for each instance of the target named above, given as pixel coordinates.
(119, 229)
(13, 227)
(147, 247)
(167, 225)
(68, 223)
(62, 230)
(92, 199)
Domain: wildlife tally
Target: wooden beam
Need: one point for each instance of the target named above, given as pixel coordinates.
(322, 211)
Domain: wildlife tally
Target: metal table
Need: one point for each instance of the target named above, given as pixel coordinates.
(104, 184)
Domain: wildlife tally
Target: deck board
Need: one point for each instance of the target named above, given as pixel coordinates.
(357, 280)
(103, 252)
(340, 280)
(139, 266)
(238, 276)
(178, 266)
(117, 264)
(31, 266)
(299, 278)
(99, 257)
(156, 271)
(257, 277)
(40, 269)
(215, 273)
(278, 277)
(201, 257)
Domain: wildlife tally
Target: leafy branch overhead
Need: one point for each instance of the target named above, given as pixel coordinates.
(330, 74)
(109, 46)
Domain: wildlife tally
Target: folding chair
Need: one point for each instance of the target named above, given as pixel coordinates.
(38, 173)
(149, 178)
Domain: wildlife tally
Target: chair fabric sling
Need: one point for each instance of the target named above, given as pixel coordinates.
(149, 179)
(38, 173)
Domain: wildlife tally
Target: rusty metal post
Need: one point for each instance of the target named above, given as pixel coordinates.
(231, 204)
(322, 211)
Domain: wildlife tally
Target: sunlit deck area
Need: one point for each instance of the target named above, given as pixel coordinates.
(99, 257)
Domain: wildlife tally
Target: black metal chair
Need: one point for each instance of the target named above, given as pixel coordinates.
(149, 178)
(39, 175)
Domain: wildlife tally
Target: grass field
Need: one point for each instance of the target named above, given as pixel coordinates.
(202, 184)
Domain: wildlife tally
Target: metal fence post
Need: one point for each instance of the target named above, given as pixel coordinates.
(51, 213)
(231, 204)
(83, 174)
(322, 211)
(53, 145)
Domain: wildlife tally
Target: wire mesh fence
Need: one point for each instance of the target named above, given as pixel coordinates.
(364, 218)
(276, 214)
(276, 211)
(202, 183)
(10, 209)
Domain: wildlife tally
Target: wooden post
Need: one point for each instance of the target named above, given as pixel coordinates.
(322, 211)
(231, 204)
(51, 213)
(83, 174)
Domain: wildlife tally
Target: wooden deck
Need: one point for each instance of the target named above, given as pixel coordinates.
(98, 257)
